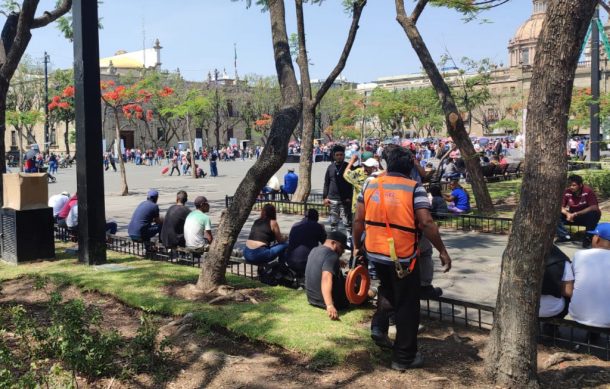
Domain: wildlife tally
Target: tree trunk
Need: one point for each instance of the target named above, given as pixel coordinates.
(274, 155)
(124, 187)
(455, 124)
(67, 138)
(512, 349)
(192, 145)
(309, 104)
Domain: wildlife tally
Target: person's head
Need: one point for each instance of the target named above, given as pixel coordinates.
(370, 166)
(435, 191)
(575, 183)
(337, 241)
(601, 236)
(291, 170)
(201, 203)
(181, 197)
(152, 195)
(455, 183)
(338, 153)
(398, 159)
(268, 212)
(312, 215)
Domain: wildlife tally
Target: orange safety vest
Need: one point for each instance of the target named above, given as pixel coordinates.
(398, 213)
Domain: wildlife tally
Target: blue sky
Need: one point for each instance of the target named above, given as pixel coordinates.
(198, 35)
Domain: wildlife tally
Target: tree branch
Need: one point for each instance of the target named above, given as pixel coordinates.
(349, 42)
(49, 17)
(419, 8)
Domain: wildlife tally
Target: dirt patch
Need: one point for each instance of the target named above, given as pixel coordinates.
(225, 294)
(204, 358)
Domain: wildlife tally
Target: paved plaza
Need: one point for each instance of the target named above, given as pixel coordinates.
(476, 256)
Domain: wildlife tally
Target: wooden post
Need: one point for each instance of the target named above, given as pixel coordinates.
(89, 172)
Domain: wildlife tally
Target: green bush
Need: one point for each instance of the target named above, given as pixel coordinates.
(599, 180)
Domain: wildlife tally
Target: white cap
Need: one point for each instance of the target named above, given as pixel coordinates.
(371, 162)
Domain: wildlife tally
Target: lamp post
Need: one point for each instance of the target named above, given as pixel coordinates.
(46, 103)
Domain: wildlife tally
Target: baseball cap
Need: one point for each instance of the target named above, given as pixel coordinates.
(65, 193)
(199, 201)
(366, 155)
(338, 236)
(371, 162)
(602, 230)
(291, 169)
(152, 193)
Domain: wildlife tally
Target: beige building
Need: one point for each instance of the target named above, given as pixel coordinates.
(510, 85)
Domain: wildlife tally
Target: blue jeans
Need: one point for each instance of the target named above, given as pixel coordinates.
(147, 232)
(264, 254)
(213, 169)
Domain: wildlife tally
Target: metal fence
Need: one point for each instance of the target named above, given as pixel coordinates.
(286, 207)
(468, 222)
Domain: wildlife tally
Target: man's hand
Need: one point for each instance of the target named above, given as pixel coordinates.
(570, 217)
(446, 261)
(332, 312)
(326, 202)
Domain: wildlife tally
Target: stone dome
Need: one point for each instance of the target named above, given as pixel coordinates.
(521, 48)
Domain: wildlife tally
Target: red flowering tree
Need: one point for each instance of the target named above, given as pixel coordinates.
(127, 106)
(61, 109)
(263, 125)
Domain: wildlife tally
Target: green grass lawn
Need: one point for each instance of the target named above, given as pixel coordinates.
(283, 317)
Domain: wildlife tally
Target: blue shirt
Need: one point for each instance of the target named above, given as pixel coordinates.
(462, 201)
(291, 181)
(142, 217)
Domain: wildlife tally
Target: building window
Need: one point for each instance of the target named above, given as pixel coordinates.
(525, 57)
(52, 136)
(13, 138)
(160, 133)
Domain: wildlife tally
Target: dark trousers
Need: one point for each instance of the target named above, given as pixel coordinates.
(174, 167)
(589, 220)
(400, 297)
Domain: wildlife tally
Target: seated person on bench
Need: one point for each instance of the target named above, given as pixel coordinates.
(265, 231)
(145, 221)
(459, 199)
(72, 222)
(324, 281)
(57, 202)
(63, 214)
(198, 226)
(588, 286)
(172, 231)
(272, 188)
(291, 181)
(579, 206)
(304, 236)
(554, 299)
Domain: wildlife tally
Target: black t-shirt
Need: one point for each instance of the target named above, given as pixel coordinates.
(321, 259)
(172, 232)
(304, 236)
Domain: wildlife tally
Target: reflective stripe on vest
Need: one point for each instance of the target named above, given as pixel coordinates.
(399, 193)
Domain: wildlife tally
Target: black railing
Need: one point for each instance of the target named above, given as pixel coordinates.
(287, 207)
(470, 222)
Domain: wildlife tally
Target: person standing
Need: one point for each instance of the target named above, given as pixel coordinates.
(213, 162)
(175, 165)
(337, 192)
(396, 209)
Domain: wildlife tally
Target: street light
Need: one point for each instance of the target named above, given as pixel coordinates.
(46, 103)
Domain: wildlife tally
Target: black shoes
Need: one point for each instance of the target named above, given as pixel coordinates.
(430, 292)
(416, 363)
(382, 340)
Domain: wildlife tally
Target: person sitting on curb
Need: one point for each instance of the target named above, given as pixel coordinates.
(459, 201)
(198, 226)
(291, 181)
(579, 206)
(172, 231)
(145, 222)
(588, 285)
(324, 281)
(304, 236)
(265, 231)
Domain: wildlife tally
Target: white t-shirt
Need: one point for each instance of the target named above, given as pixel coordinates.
(57, 202)
(274, 183)
(72, 219)
(195, 225)
(589, 303)
(550, 305)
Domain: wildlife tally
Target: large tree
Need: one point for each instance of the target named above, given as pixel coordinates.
(310, 102)
(453, 117)
(274, 154)
(15, 37)
(512, 350)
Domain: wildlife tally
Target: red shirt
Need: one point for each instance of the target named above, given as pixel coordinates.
(577, 203)
(66, 209)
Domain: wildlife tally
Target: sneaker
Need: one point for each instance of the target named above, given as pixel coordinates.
(416, 363)
(382, 340)
(565, 238)
(430, 292)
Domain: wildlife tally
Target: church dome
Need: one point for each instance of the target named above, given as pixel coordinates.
(522, 46)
